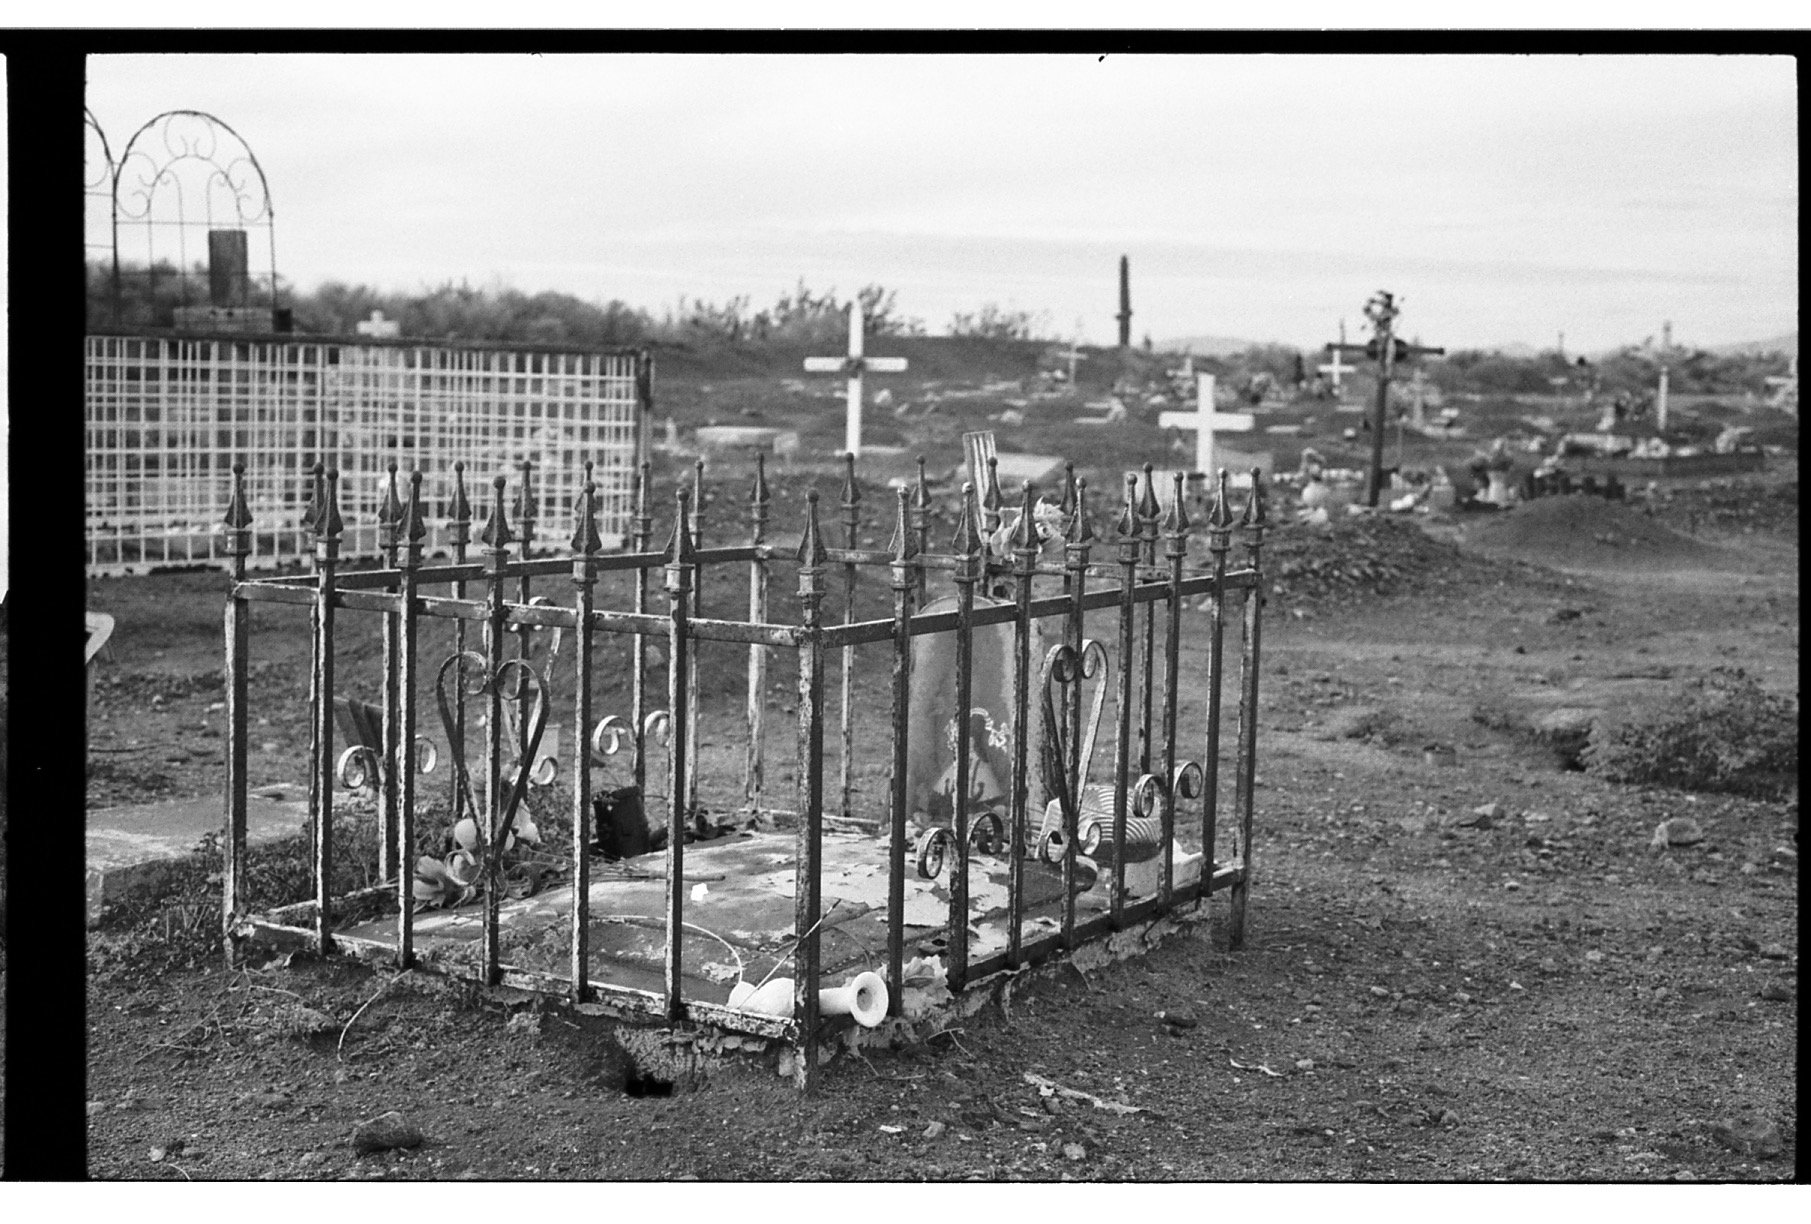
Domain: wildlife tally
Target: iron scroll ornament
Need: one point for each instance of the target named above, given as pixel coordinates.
(472, 673)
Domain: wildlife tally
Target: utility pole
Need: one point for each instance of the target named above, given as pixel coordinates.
(1125, 303)
(1386, 350)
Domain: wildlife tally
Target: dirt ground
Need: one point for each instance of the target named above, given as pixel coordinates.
(1427, 992)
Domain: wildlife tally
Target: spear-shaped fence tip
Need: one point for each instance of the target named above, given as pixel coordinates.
(459, 509)
(968, 539)
(1068, 503)
(1025, 537)
(496, 533)
(679, 544)
(1081, 530)
(851, 490)
(1220, 517)
(1253, 515)
(331, 522)
(389, 511)
(811, 546)
(415, 527)
(1148, 507)
(759, 496)
(903, 535)
(238, 514)
(526, 508)
(1175, 519)
(922, 495)
(1128, 518)
(584, 528)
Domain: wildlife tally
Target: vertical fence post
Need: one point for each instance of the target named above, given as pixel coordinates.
(851, 506)
(238, 648)
(809, 877)
(679, 579)
(1219, 539)
(638, 645)
(970, 565)
(414, 529)
(1148, 511)
(754, 764)
(526, 511)
(903, 584)
(921, 525)
(496, 537)
(1129, 545)
(991, 499)
(586, 544)
(690, 808)
(1252, 525)
(458, 537)
(1025, 557)
(1175, 550)
(328, 527)
(389, 525)
(312, 518)
(1076, 547)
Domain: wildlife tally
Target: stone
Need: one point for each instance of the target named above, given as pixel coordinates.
(384, 1132)
(1449, 1119)
(1774, 951)
(1777, 992)
(1750, 1137)
(1178, 1018)
(1075, 1151)
(1678, 831)
(1304, 1064)
(934, 1130)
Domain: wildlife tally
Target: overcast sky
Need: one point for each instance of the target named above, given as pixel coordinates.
(1505, 199)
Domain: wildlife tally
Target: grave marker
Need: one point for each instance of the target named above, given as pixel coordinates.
(1205, 421)
(1334, 368)
(854, 364)
(1386, 350)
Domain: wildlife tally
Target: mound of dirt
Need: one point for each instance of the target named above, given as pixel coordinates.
(1580, 532)
(1363, 555)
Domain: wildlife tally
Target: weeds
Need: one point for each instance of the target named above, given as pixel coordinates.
(1728, 735)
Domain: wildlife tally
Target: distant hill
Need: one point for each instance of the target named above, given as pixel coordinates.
(1206, 346)
(1787, 343)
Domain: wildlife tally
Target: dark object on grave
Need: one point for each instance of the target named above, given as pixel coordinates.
(622, 824)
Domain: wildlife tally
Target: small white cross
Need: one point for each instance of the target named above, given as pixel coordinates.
(854, 364)
(1205, 421)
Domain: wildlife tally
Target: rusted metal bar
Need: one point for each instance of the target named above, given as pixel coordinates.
(1175, 550)
(459, 536)
(643, 522)
(679, 579)
(326, 559)
(1129, 545)
(389, 525)
(1148, 511)
(921, 525)
(526, 512)
(968, 545)
(904, 583)
(1219, 540)
(1252, 524)
(808, 880)
(238, 546)
(585, 546)
(496, 537)
(851, 507)
(695, 618)
(413, 530)
(754, 765)
(1076, 546)
(1025, 552)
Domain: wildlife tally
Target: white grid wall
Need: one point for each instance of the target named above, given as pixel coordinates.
(167, 417)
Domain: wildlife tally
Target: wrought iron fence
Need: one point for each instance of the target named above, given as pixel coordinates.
(1131, 833)
(169, 415)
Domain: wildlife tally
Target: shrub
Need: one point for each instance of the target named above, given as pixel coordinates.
(1727, 735)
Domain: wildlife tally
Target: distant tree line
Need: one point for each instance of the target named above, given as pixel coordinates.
(149, 296)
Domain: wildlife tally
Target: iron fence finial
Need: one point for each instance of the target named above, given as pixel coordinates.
(967, 541)
(585, 539)
(679, 545)
(238, 514)
(331, 522)
(1025, 535)
(415, 527)
(759, 495)
(1081, 529)
(1127, 527)
(811, 546)
(496, 534)
(851, 490)
(1175, 519)
(901, 543)
(1220, 519)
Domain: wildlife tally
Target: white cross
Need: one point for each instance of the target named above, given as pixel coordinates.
(1204, 421)
(1075, 354)
(853, 365)
(1334, 367)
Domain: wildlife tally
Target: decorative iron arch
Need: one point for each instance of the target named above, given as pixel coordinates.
(97, 205)
(181, 172)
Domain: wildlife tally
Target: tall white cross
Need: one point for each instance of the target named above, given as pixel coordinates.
(1075, 354)
(1205, 421)
(854, 364)
(1334, 367)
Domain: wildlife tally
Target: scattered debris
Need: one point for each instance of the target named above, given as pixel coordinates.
(1048, 1087)
(1751, 1137)
(1678, 831)
(384, 1132)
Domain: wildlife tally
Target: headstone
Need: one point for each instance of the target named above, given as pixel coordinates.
(378, 327)
(933, 724)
